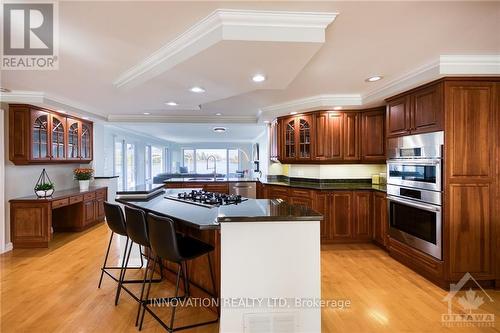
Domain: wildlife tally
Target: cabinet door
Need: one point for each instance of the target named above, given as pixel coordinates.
(328, 136)
(74, 130)
(321, 204)
(306, 202)
(373, 136)
(58, 137)
(304, 129)
(40, 136)
(362, 215)
(278, 192)
(99, 209)
(86, 141)
(351, 136)
(398, 116)
(273, 140)
(341, 215)
(380, 223)
(289, 139)
(88, 212)
(427, 109)
(19, 134)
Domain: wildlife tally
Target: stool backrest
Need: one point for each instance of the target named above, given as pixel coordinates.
(163, 238)
(137, 228)
(115, 219)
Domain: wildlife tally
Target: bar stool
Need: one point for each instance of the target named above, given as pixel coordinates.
(137, 230)
(177, 248)
(116, 222)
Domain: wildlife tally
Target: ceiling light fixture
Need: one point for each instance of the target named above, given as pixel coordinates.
(293, 112)
(337, 108)
(171, 103)
(218, 114)
(259, 78)
(197, 90)
(219, 129)
(146, 113)
(374, 78)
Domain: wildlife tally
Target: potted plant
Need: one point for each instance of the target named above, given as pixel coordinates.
(44, 190)
(83, 175)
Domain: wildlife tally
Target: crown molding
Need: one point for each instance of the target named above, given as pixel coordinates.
(469, 64)
(182, 119)
(229, 24)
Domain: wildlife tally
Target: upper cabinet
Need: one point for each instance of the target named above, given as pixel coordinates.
(274, 136)
(43, 136)
(331, 137)
(416, 111)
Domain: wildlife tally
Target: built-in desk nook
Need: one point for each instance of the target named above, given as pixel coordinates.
(33, 219)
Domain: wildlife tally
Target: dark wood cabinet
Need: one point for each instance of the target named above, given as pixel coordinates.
(341, 213)
(379, 217)
(44, 136)
(321, 203)
(373, 148)
(88, 212)
(417, 111)
(362, 218)
(278, 192)
(333, 137)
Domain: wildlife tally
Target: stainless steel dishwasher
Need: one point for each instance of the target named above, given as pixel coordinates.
(245, 189)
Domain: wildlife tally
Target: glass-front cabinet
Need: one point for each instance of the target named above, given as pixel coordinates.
(296, 138)
(43, 136)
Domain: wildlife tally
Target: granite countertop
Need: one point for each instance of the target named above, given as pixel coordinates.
(251, 210)
(333, 186)
(140, 189)
(210, 179)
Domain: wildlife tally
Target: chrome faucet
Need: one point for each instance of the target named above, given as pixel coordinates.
(215, 165)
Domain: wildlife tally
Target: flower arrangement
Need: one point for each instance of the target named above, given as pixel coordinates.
(83, 173)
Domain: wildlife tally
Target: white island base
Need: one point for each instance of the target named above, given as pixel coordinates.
(270, 277)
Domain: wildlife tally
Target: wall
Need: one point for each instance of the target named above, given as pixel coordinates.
(20, 179)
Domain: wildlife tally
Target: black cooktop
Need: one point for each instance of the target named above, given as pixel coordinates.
(207, 199)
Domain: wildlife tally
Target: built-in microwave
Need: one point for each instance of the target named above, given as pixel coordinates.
(418, 173)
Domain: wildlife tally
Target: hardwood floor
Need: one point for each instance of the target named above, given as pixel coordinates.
(55, 290)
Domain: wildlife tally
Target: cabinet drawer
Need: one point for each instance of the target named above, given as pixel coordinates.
(60, 203)
(89, 196)
(101, 194)
(75, 199)
(300, 193)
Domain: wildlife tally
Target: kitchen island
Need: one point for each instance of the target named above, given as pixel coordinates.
(266, 258)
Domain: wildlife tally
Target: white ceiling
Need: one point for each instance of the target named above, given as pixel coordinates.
(101, 41)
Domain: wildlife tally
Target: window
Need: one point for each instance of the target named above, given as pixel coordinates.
(166, 160)
(130, 165)
(157, 161)
(147, 163)
(118, 165)
(227, 161)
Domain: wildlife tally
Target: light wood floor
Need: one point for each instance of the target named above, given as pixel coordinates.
(55, 290)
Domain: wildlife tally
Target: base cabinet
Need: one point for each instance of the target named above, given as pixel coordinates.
(380, 221)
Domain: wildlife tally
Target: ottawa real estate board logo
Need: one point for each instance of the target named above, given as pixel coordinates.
(30, 33)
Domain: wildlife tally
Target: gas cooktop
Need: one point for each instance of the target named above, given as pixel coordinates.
(207, 199)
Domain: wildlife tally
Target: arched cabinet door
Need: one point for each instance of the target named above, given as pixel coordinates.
(74, 130)
(304, 142)
(40, 136)
(290, 140)
(86, 142)
(58, 137)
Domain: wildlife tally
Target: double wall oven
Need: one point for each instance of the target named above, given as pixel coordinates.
(414, 191)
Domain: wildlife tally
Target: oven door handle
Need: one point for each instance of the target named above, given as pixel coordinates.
(414, 161)
(414, 204)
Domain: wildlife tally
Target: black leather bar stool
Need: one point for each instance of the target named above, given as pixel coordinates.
(116, 222)
(137, 230)
(177, 248)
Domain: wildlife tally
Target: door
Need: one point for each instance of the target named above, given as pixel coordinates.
(99, 209)
(322, 205)
(380, 218)
(398, 116)
(304, 129)
(74, 130)
(86, 141)
(362, 215)
(88, 212)
(341, 215)
(328, 136)
(427, 109)
(351, 136)
(373, 136)
(40, 136)
(289, 139)
(58, 137)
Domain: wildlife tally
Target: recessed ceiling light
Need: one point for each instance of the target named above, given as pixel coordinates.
(218, 114)
(337, 108)
(259, 78)
(374, 78)
(219, 129)
(197, 89)
(293, 112)
(171, 103)
(146, 113)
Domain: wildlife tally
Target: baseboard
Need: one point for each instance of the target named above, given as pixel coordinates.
(8, 247)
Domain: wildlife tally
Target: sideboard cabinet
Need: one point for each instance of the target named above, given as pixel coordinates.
(42, 136)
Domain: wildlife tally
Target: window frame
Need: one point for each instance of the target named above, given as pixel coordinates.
(195, 154)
